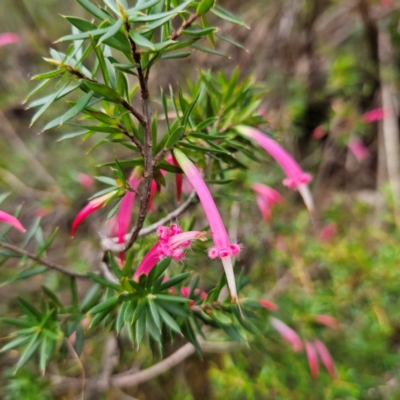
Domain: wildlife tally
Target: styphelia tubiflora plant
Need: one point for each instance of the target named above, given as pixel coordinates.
(146, 297)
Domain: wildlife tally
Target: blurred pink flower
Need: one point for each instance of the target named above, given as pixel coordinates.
(8, 38)
(11, 220)
(312, 358)
(318, 133)
(266, 198)
(358, 148)
(377, 113)
(387, 3)
(327, 320)
(326, 357)
(84, 180)
(296, 178)
(328, 232)
(269, 305)
(287, 334)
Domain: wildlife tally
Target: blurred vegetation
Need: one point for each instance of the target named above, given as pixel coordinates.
(318, 64)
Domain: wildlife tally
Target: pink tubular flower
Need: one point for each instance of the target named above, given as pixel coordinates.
(326, 357)
(376, 115)
(318, 133)
(359, 150)
(312, 358)
(328, 232)
(171, 243)
(84, 180)
(8, 38)
(327, 320)
(11, 220)
(91, 207)
(269, 305)
(296, 178)
(125, 209)
(287, 334)
(266, 198)
(223, 248)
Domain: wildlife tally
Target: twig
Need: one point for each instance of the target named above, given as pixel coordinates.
(110, 244)
(132, 137)
(148, 144)
(136, 378)
(42, 261)
(185, 25)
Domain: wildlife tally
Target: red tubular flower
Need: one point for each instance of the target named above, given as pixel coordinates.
(91, 207)
(269, 305)
(266, 198)
(8, 38)
(125, 209)
(312, 358)
(11, 220)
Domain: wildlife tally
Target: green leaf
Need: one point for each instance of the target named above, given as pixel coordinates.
(140, 327)
(141, 40)
(204, 6)
(173, 281)
(73, 112)
(143, 6)
(97, 12)
(14, 343)
(119, 323)
(29, 309)
(91, 298)
(103, 281)
(47, 75)
(46, 348)
(189, 110)
(174, 137)
(49, 293)
(154, 313)
(169, 321)
(182, 54)
(171, 298)
(209, 51)
(27, 273)
(105, 305)
(22, 323)
(36, 89)
(227, 16)
(231, 41)
(28, 351)
(115, 268)
(45, 99)
(172, 308)
(105, 91)
(151, 325)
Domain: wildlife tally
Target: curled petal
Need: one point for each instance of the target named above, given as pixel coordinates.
(326, 357)
(312, 358)
(287, 334)
(266, 197)
(11, 220)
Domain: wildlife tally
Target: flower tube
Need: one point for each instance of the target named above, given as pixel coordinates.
(312, 358)
(287, 334)
(326, 357)
(296, 178)
(11, 220)
(266, 198)
(223, 248)
(125, 209)
(91, 207)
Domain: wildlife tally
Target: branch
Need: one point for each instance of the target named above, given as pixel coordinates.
(128, 380)
(110, 244)
(42, 261)
(185, 25)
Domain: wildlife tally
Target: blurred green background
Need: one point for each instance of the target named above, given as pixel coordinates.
(320, 64)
